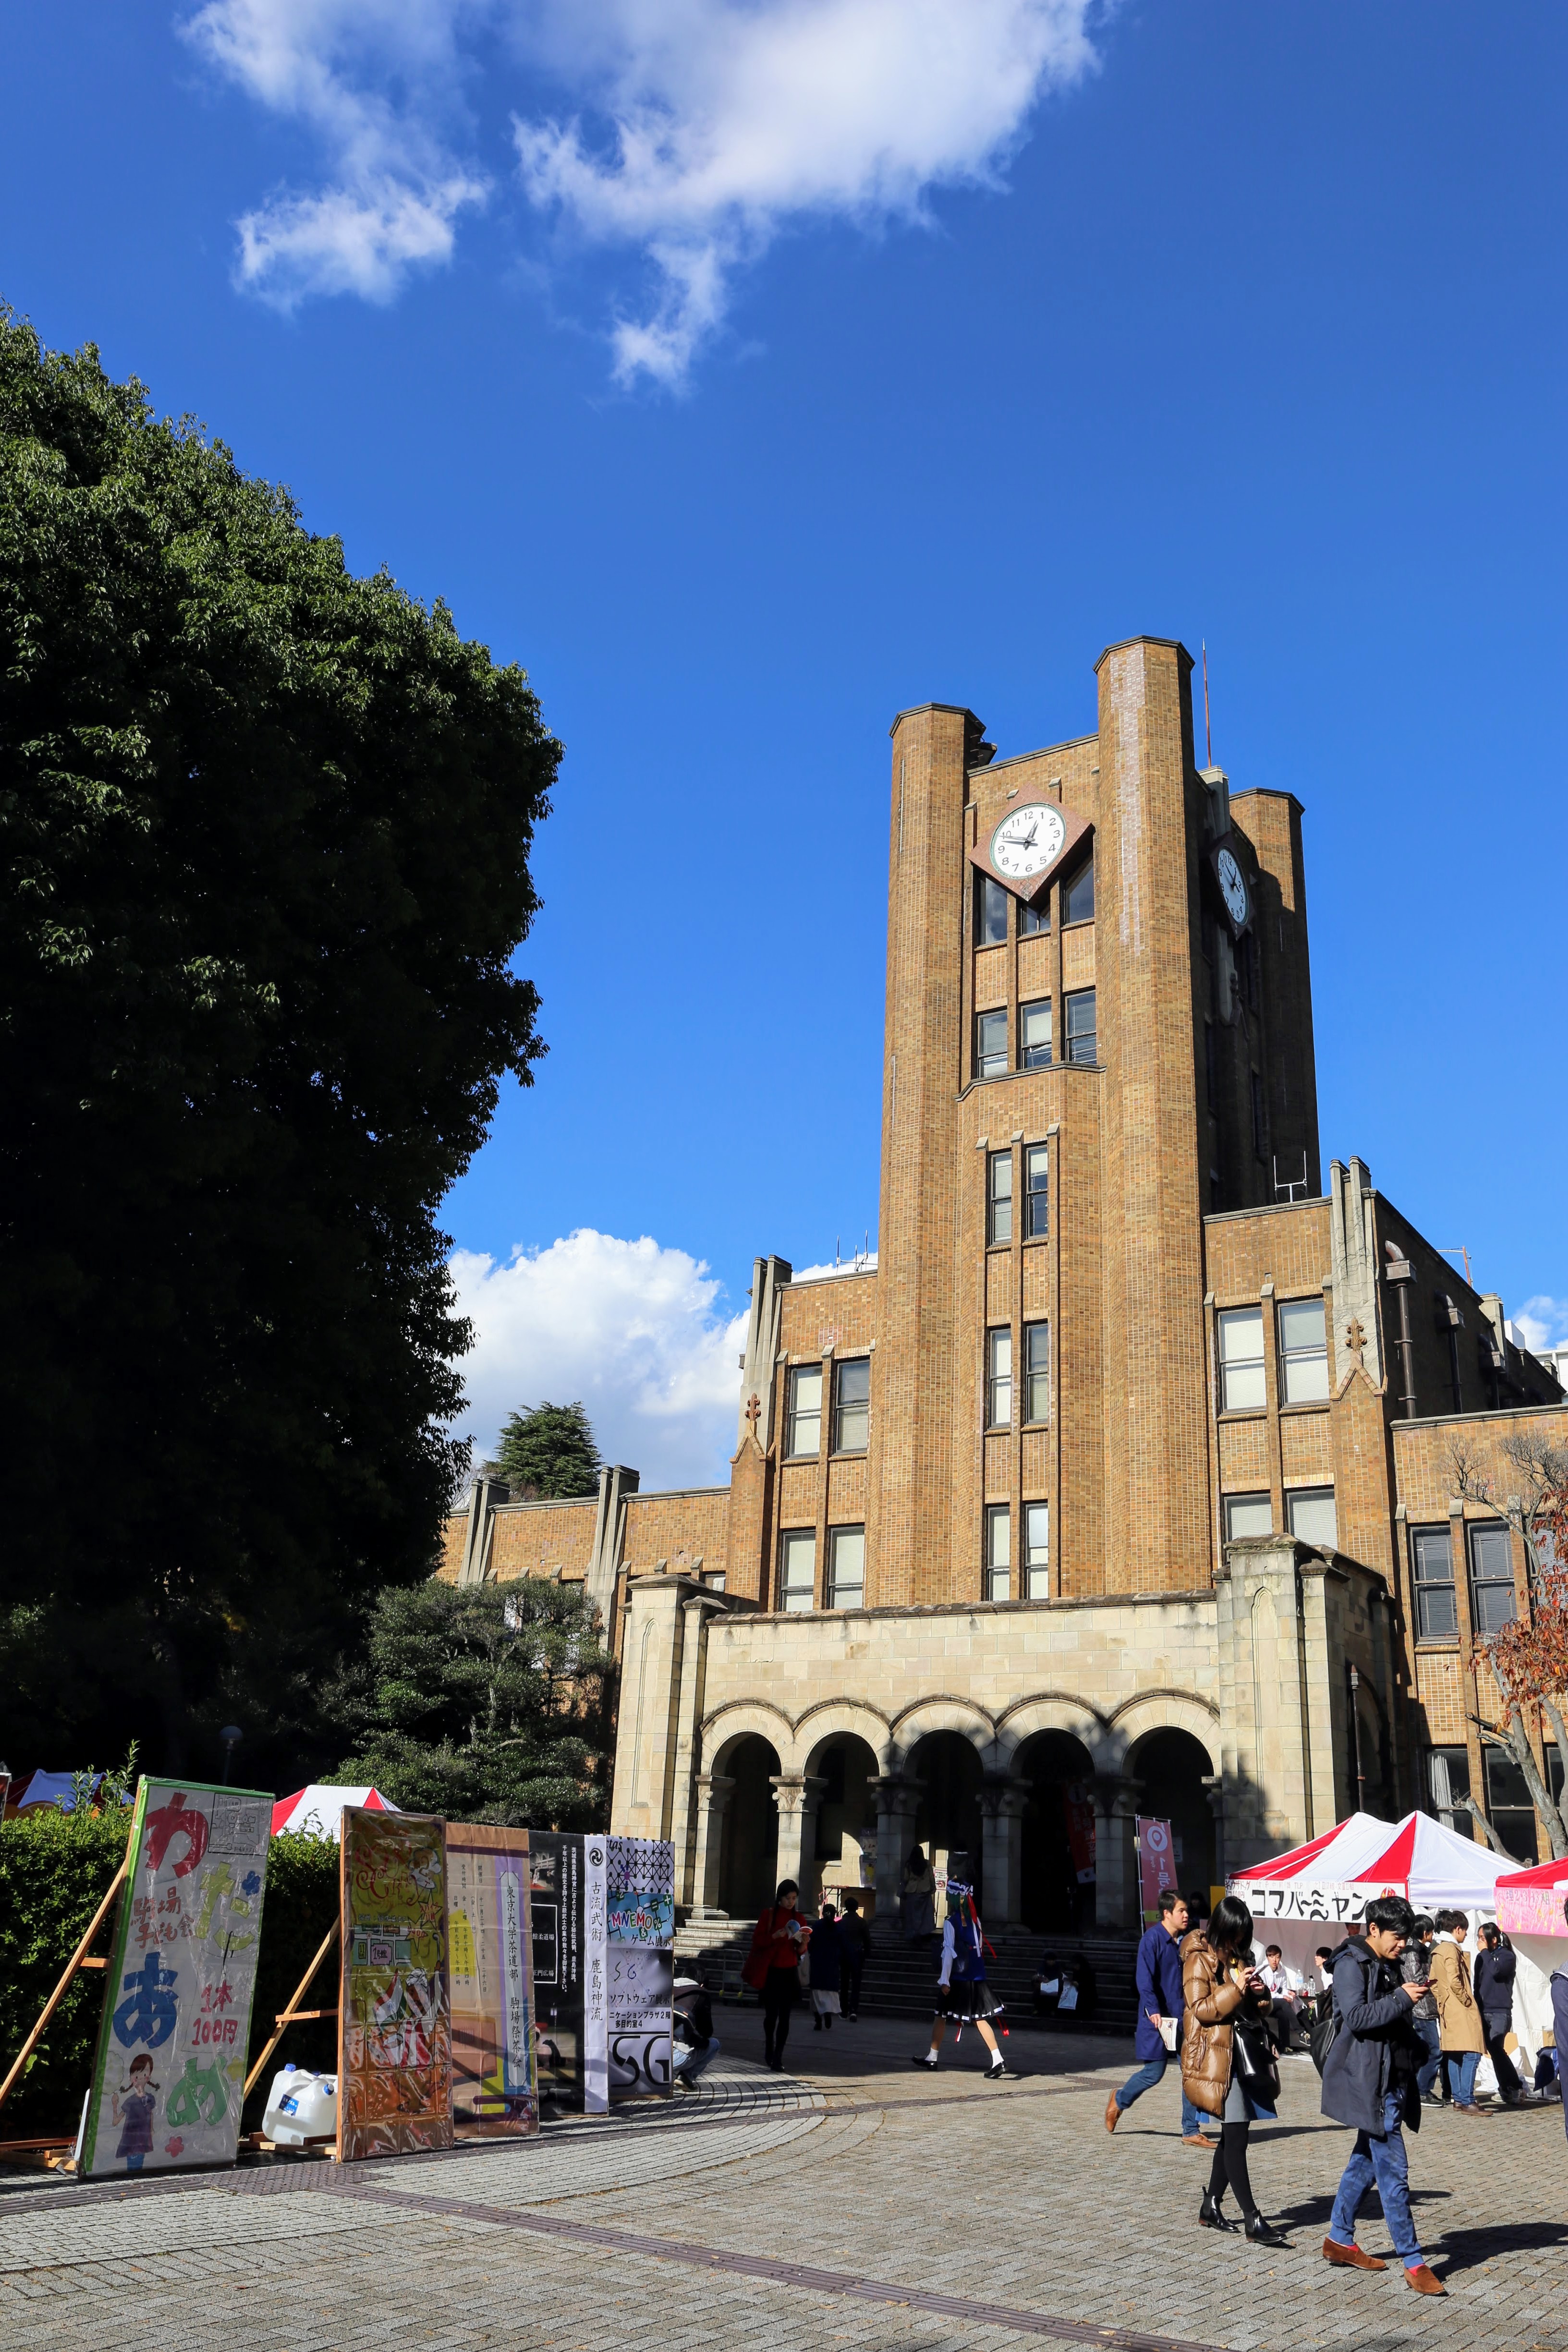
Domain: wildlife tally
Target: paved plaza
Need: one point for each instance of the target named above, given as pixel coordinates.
(852, 2202)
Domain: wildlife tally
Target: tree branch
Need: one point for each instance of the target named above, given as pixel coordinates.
(1468, 1805)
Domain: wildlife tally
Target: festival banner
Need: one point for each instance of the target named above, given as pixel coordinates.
(489, 1959)
(395, 2045)
(557, 1931)
(596, 1985)
(169, 2073)
(1156, 1864)
(1079, 1812)
(639, 1933)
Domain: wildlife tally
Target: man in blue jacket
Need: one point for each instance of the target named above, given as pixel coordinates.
(1159, 1995)
(1372, 2081)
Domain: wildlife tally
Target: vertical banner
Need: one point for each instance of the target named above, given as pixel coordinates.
(596, 1987)
(1156, 1864)
(1078, 1810)
(490, 1964)
(639, 1934)
(556, 1919)
(169, 2073)
(395, 2047)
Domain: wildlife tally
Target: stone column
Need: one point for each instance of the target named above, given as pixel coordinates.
(796, 1795)
(898, 1808)
(1002, 1804)
(1115, 1859)
(713, 1794)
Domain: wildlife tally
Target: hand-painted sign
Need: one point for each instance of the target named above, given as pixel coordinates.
(170, 2069)
(494, 2090)
(1156, 1864)
(394, 2040)
(639, 1934)
(1331, 1905)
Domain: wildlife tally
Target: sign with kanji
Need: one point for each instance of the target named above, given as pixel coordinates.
(169, 2075)
(1156, 1866)
(394, 2022)
(489, 1941)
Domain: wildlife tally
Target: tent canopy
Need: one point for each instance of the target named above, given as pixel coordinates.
(1529, 1902)
(1332, 1877)
(319, 1810)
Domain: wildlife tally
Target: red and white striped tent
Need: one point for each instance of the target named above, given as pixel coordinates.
(319, 1810)
(1329, 1880)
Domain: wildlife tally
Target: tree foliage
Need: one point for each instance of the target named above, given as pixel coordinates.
(548, 1451)
(264, 838)
(1529, 1658)
(485, 1703)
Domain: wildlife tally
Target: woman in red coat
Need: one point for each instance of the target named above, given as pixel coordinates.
(772, 1966)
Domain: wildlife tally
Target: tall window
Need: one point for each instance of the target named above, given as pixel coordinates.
(1241, 1359)
(999, 1197)
(998, 1553)
(1036, 1192)
(1447, 1784)
(1432, 1576)
(803, 1419)
(1080, 1036)
(1493, 1602)
(1036, 1372)
(846, 1567)
(851, 1404)
(1034, 1034)
(1036, 919)
(991, 1044)
(999, 1380)
(1509, 1805)
(1036, 1551)
(797, 1568)
(1078, 894)
(1313, 1514)
(990, 914)
(1303, 1351)
(1247, 1515)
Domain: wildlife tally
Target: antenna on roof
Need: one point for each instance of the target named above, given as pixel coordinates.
(1208, 738)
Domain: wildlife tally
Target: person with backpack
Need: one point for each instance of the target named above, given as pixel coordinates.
(772, 1966)
(1228, 2059)
(1370, 2070)
(964, 1997)
(1458, 2016)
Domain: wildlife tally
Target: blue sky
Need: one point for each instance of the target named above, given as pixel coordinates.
(903, 349)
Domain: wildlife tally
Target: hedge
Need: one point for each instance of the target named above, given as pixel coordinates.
(54, 1870)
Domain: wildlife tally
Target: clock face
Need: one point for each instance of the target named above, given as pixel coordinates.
(1232, 887)
(1028, 840)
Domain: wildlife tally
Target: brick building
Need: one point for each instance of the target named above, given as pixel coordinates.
(1122, 1482)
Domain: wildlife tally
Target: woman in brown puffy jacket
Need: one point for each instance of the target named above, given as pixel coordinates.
(1220, 1989)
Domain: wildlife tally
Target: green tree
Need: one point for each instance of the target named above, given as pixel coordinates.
(264, 839)
(484, 1702)
(549, 1450)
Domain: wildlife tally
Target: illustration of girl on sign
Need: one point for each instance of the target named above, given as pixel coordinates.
(133, 2106)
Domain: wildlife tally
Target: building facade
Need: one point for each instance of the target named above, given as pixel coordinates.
(1121, 1482)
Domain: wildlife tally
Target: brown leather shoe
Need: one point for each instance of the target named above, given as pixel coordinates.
(1199, 2139)
(1472, 2110)
(1112, 2113)
(1351, 2256)
(1424, 2280)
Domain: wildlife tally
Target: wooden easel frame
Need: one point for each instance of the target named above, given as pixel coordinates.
(293, 2015)
(78, 1960)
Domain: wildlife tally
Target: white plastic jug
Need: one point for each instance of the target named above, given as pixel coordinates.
(300, 2107)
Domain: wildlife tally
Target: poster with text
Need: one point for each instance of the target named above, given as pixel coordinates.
(639, 1937)
(491, 1968)
(1156, 1864)
(395, 2038)
(169, 2074)
(557, 1929)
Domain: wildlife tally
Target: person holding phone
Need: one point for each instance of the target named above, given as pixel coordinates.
(1372, 2079)
(772, 1966)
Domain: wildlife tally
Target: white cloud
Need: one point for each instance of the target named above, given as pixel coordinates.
(690, 131)
(636, 1330)
(1543, 1323)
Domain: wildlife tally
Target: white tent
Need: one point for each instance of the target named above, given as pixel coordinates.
(1329, 1880)
(319, 1810)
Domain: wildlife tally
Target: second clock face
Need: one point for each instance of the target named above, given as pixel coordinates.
(1028, 840)
(1232, 887)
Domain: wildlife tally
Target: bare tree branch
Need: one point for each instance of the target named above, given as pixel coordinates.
(1469, 1805)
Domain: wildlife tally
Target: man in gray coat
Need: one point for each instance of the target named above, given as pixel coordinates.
(1371, 2080)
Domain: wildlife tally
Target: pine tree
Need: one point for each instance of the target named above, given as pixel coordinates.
(549, 1450)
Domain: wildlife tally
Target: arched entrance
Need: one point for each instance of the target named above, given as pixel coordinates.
(1057, 1892)
(845, 1848)
(1173, 1766)
(747, 1864)
(948, 1819)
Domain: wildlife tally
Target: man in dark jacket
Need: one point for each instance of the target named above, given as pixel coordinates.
(1371, 2082)
(1493, 1983)
(1560, 2025)
(854, 1942)
(1159, 1976)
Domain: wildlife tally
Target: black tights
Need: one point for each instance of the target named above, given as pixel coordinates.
(776, 2007)
(1230, 2164)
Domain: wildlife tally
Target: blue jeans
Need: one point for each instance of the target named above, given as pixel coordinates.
(1380, 2156)
(1153, 2071)
(1462, 2064)
(1427, 2030)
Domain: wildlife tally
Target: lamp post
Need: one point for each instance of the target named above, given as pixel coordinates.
(1355, 1735)
(231, 1736)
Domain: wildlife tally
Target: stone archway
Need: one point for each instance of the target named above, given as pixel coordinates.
(843, 1847)
(1058, 1887)
(749, 1854)
(1172, 1766)
(948, 1813)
